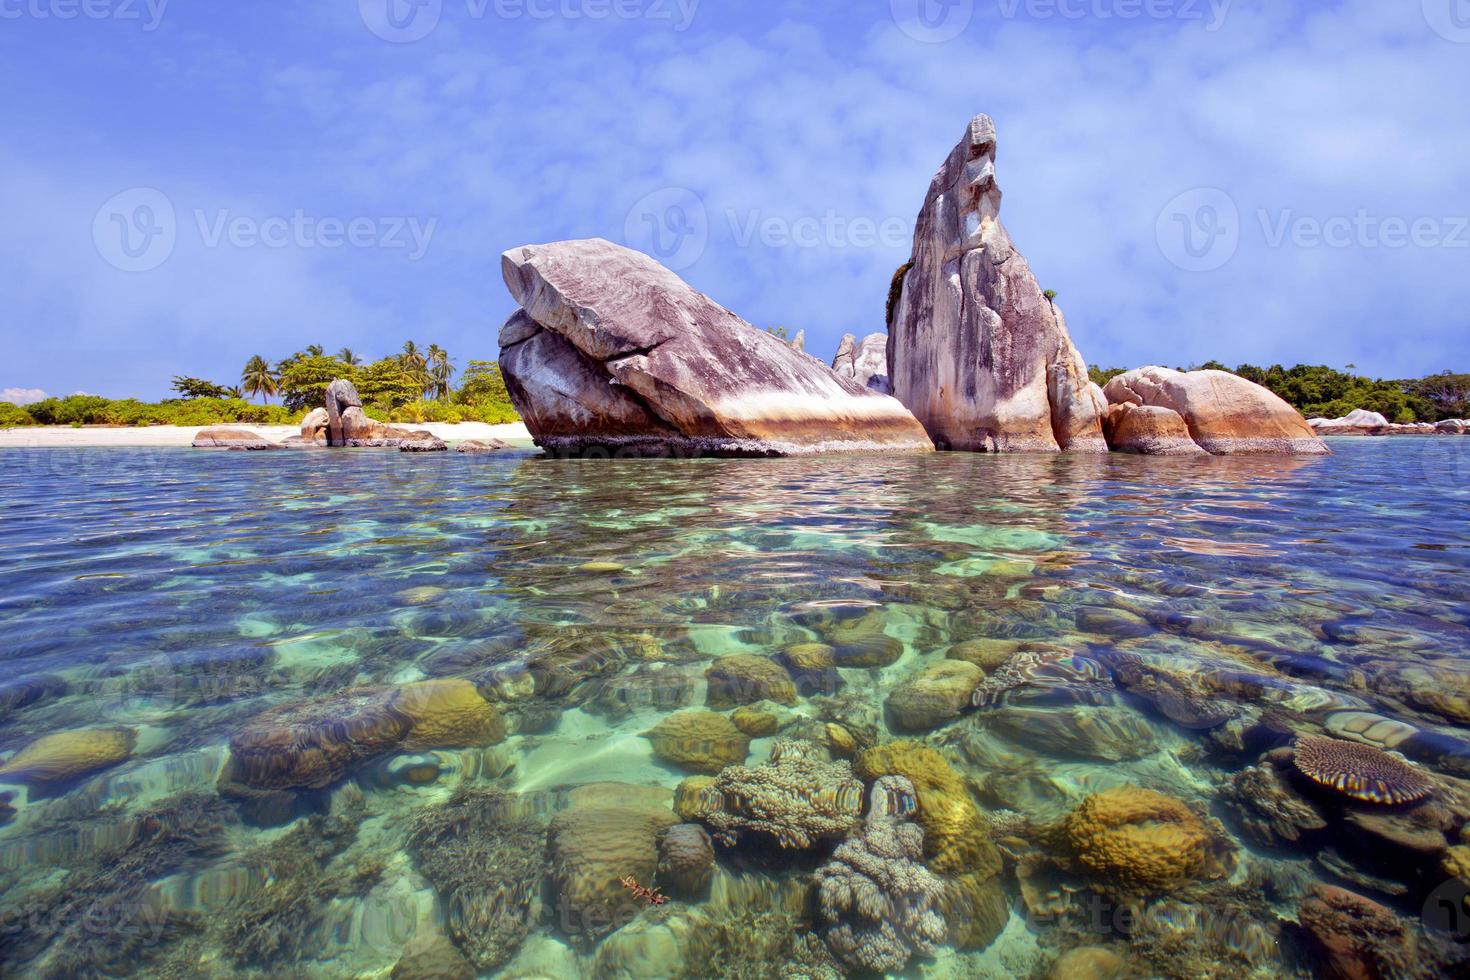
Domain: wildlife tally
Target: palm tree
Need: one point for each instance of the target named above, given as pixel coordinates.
(349, 357)
(412, 357)
(441, 369)
(315, 350)
(258, 379)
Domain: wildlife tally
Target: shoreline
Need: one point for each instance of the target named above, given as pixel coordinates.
(182, 436)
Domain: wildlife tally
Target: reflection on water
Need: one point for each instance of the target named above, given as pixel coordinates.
(328, 715)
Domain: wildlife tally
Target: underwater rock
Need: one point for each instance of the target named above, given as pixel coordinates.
(876, 898)
(1111, 734)
(1226, 414)
(314, 743)
(613, 352)
(956, 834)
(1355, 938)
(1270, 810)
(1370, 729)
(447, 714)
(482, 446)
(699, 740)
(856, 635)
(431, 956)
(68, 755)
(1182, 699)
(1087, 963)
(933, 696)
(1359, 771)
(742, 678)
(795, 799)
(660, 687)
(1142, 841)
(485, 859)
(1047, 677)
(990, 654)
(591, 850)
(976, 350)
(686, 861)
(755, 722)
(422, 442)
(25, 691)
(657, 944)
(1116, 623)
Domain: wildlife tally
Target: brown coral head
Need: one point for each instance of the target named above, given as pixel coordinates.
(1359, 771)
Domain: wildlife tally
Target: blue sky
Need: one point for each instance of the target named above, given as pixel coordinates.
(288, 174)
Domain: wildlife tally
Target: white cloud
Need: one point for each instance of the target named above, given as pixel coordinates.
(21, 396)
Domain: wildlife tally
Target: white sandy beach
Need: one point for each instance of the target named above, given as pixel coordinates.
(172, 436)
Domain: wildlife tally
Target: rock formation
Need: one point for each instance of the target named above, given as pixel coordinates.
(343, 423)
(1225, 414)
(865, 362)
(1358, 422)
(1149, 430)
(224, 437)
(977, 351)
(611, 352)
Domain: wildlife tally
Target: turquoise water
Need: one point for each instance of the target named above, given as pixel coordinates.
(1169, 624)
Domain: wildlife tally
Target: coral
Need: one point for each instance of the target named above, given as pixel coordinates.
(68, 755)
(591, 851)
(1087, 963)
(755, 722)
(486, 862)
(312, 744)
(975, 906)
(697, 796)
(701, 741)
(1047, 676)
(990, 653)
(1359, 771)
(686, 860)
(1140, 840)
(956, 834)
(745, 677)
(431, 956)
(797, 800)
(877, 899)
(98, 921)
(1106, 732)
(1269, 808)
(933, 696)
(447, 714)
(1355, 937)
(814, 668)
(858, 638)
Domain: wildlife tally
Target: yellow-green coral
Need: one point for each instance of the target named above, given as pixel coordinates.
(745, 677)
(1140, 840)
(448, 714)
(701, 741)
(755, 722)
(956, 833)
(67, 755)
(591, 850)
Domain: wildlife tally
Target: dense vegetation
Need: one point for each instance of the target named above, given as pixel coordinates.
(412, 386)
(1323, 392)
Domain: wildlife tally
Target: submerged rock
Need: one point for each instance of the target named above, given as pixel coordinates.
(935, 695)
(591, 851)
(686, 861)
(482, 446)
(612, 352)
(976, 350)
(1226, 414)
(68, 755)
(700, 741)
(744, 678)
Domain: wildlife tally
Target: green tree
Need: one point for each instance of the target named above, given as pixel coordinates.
(199, 388)
(303, 381)
(441, 371)
(482, 391)
(258, 380)
(388, 384)
(1101, 376)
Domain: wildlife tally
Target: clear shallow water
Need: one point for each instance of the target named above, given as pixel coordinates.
(1211, 609)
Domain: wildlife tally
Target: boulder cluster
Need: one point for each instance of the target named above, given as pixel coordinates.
(1360, 422)
(611, 354)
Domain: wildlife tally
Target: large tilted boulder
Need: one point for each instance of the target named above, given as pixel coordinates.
(612, 352)
(866, 362)
(1226, 415)
(976, 350)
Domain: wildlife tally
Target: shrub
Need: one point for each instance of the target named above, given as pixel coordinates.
(12, 416)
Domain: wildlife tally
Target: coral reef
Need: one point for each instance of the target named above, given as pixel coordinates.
(956, 834)
(312, 744)
(796, 799)
(486, 861)
(975, 907)
(1141, 841)
(1359, 771)
(431, 956)
(878, 901)
(933, 696)
(755, 722)
(446, 714)
(591, 850)
(686, 861)
(701, 741)
(68, 755)
(742, 678)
